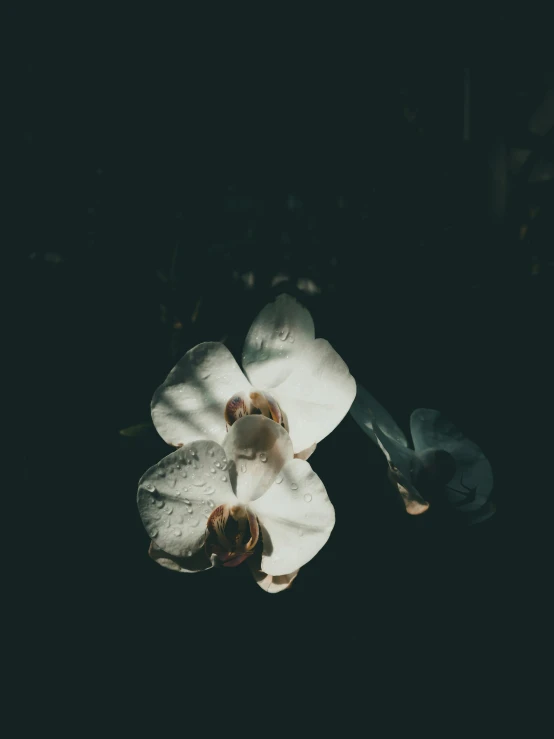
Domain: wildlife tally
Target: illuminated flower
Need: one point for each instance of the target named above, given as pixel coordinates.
(208, 504)
(298, 381)
(445, 464)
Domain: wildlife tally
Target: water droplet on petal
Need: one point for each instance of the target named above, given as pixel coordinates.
(153, 533)
(160, 503)
(209, 490)
(169, 511)
(294, 486)
(189, 511)
(177, 532)
(183, 473)
(199, 483)
(243, 467)
(177, 492)
(150, 487)
(211, 452)
(178, 466)
(279, 480)
(186, 501)
(224, 464)
(172, 482)
(263, 457)
(223, 478)
(195, 523)
(307, 497)
(189, 553)
(212, 470)
(218, 464)
(211, 503)
(291, 339)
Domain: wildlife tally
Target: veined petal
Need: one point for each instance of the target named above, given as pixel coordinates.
(472, 483)
(197, 563)
(296, 518)
(276, 340)
(270, 583)
(366, 411)
(190, 404)
(257, 449)
(317, 394)
(177, 495)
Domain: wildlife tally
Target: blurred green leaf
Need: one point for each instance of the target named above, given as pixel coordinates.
(139, 429)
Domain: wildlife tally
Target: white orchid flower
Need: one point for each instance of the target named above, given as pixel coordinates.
(298, 381)
(443, 460)
(208, 504)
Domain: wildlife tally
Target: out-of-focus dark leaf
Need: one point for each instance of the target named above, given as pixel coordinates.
(138, 430)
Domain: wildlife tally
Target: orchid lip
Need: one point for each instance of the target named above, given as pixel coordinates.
(233, 533)
(256, 402)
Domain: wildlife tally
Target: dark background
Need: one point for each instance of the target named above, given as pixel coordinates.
(168, 171)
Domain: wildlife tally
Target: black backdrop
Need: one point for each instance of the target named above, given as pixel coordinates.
(166, 178)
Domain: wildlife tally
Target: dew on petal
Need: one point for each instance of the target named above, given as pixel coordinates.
(177, 532)
(211, 452)
(212, 470)
(291, 339)
(172, 482)
(153, 533)
(169, 511)
(189, 553)
(160, 503)
(218, 464)
(189, 511)
(211, 503)
(307, 497)
(294, 486)
(243, 467)
(279, 480)
(149, 487)
(186, 501)
(223, 478)
(263, 457)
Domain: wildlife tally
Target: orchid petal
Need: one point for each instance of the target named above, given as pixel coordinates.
(271, 583)
(177, 495)
(257, 448)
(296, 518)
(190, 404)
(197, 563)
(305, 454)
(472, 483)
(279, 335)
(317, 394)
(366, 410)
(403, 463)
